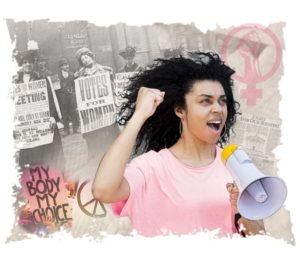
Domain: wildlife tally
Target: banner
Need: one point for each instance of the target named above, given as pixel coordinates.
(95, 102)
(32, 115)
(121, 81)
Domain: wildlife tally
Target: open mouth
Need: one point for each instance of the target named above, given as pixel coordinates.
(215, 125)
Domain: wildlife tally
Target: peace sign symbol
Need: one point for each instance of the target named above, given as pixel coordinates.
(83, 205)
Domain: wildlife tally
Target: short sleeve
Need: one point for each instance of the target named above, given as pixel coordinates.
(136, 178)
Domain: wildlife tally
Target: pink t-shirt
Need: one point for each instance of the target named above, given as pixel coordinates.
(169, 196)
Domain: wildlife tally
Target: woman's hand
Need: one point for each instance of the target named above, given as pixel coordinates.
(147, 101)
(26, 212)
(233, 196)
(107, 68)
(76, 74)
(248, 227)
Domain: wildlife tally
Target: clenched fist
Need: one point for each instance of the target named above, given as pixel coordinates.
(147, 101)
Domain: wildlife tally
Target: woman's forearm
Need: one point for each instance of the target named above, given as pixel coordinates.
(112, 167)
(109, 184)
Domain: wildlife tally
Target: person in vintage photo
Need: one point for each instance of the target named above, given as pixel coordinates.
(42, 67)
(128, 54)
(67, 98)
(178, 114)
(88, 64)
(98, 139)
(51, 153)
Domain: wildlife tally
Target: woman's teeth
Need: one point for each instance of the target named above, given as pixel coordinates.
(214, 125)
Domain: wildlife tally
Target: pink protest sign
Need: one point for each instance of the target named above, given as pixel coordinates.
(249, 46)
(44, 188)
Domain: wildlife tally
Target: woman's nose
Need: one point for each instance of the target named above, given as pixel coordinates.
(216, 107)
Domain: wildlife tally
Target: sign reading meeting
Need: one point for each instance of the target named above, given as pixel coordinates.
(32, 115)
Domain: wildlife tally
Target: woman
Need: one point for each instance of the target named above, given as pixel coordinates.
(66, 97)
(97, 140)
(51, 153)
(89, 66)
(128, 55)
(177, 112)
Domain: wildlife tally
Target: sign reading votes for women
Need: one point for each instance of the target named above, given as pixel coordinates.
(95, 102)
(32, 115)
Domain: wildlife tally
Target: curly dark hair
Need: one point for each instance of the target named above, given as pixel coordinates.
(176, 76)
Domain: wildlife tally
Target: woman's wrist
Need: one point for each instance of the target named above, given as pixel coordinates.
(138, 119)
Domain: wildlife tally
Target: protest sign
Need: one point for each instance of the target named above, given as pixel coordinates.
(121, 81)
(32, 115)
(45, 190)
(95, 102)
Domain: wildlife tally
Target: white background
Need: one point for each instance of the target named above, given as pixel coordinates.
(194, 248)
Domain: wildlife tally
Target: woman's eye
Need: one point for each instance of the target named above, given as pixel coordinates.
(205, 101)
(224, 101)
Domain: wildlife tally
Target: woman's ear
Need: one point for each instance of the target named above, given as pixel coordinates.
(179, 112)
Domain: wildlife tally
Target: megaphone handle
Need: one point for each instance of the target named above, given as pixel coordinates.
(237, 217)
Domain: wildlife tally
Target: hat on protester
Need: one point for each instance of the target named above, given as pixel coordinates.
(63, 61)
(42, 58)
(27, 56)
(17, 56)
(173, 52)
(128, 52)
(83, 51)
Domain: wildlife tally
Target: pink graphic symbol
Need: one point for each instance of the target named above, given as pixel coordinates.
(249, 48)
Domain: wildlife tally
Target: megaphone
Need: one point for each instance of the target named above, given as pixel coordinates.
(260, 195)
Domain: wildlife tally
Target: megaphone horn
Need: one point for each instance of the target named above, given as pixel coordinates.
(260, 195)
